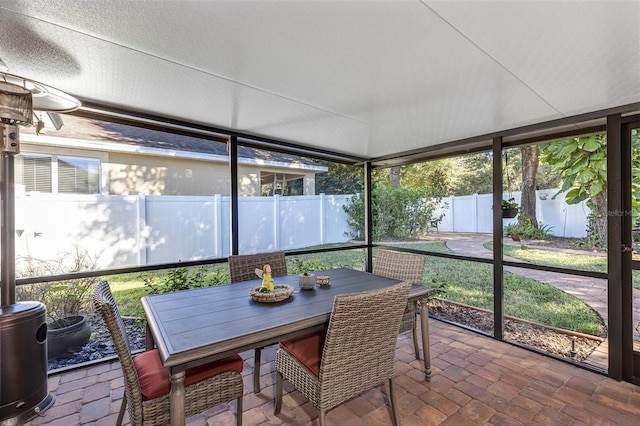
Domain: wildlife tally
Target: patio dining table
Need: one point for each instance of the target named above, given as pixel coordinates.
(197, 326)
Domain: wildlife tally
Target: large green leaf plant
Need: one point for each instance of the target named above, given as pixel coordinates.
(582, 163)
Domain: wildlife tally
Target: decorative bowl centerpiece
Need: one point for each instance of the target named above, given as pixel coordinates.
(280, 292)
(268, 291)
(307, 281)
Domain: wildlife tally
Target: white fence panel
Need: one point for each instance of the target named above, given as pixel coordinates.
(49, 225)
(299, 222)
(138, 230)
(257, 230)
(291, 222)
(484, 203)
(181, 228)
(465, 213)
(566, 220)
(335, 220)
(473, 213)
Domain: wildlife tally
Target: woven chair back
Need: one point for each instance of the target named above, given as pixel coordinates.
(399, 265)
(106, 306)
(242, 267)
(360, 345)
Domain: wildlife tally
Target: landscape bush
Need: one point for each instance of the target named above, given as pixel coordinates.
(398, 213)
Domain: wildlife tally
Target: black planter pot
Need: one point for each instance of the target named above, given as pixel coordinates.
(509, 212)
(67, 335)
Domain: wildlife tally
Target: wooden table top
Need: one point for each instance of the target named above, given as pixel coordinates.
(194, 326)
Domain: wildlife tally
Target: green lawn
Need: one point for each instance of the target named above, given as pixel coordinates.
(582, 262)
(471, 283)
(462, 281)
(586, 262)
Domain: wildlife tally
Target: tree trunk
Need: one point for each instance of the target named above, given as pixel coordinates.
(394, 176)
(530, 156)
(600, 206)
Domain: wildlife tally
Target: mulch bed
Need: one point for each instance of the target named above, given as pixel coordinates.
(542, 338)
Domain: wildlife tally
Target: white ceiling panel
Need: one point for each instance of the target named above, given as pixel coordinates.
(368, 78)
(576, 55)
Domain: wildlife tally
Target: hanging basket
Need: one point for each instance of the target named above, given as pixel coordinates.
(509, 212)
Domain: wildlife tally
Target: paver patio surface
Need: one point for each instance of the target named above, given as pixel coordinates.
(476, 380)
(592, 291)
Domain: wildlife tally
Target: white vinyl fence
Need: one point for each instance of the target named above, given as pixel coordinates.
(140, 230)
(472, 213)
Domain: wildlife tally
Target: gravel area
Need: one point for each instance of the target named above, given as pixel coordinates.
(100, 346)
(545, 339)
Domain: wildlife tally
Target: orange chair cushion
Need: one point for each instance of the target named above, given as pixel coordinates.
(307, 349)
(154, 378)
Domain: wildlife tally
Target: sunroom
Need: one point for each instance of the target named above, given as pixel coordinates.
(360, 126)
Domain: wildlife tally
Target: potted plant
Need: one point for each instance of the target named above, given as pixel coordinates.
(509, 208)
(520, 229)
(68, 302)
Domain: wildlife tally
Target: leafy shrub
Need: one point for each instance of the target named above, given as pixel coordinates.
(397, 213)
(525, 228)
(299, 265)
(184, 279)
(355, 211)
(175, 280)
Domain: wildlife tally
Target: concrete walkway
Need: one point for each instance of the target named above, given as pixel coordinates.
(592, 291)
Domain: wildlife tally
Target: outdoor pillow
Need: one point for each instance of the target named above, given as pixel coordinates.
(307, 349)
(154, 378)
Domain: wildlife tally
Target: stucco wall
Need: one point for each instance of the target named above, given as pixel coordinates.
(132, 174)
(153, 175)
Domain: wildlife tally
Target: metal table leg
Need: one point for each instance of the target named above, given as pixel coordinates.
(176, 398)
(424, 328)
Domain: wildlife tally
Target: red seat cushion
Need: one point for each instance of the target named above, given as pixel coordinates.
(307, 349)
(154, 378)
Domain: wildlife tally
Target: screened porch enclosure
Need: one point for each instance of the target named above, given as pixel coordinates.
(363, 89)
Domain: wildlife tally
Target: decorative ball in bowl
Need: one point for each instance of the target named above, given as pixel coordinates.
(306, 281)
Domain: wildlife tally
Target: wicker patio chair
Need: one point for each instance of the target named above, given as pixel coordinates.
(355, 353)
(242, 268)
(405, 267)
(147, 382)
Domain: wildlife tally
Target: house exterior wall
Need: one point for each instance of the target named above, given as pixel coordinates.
(125, 173)
(248, 181)
(152, 175)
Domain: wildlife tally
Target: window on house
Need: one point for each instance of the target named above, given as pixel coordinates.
(34, 172)
(57, 173)
(281, 184)
(78, 175)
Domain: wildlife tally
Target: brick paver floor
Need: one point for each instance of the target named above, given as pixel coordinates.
(476, 380)
(592, 291)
